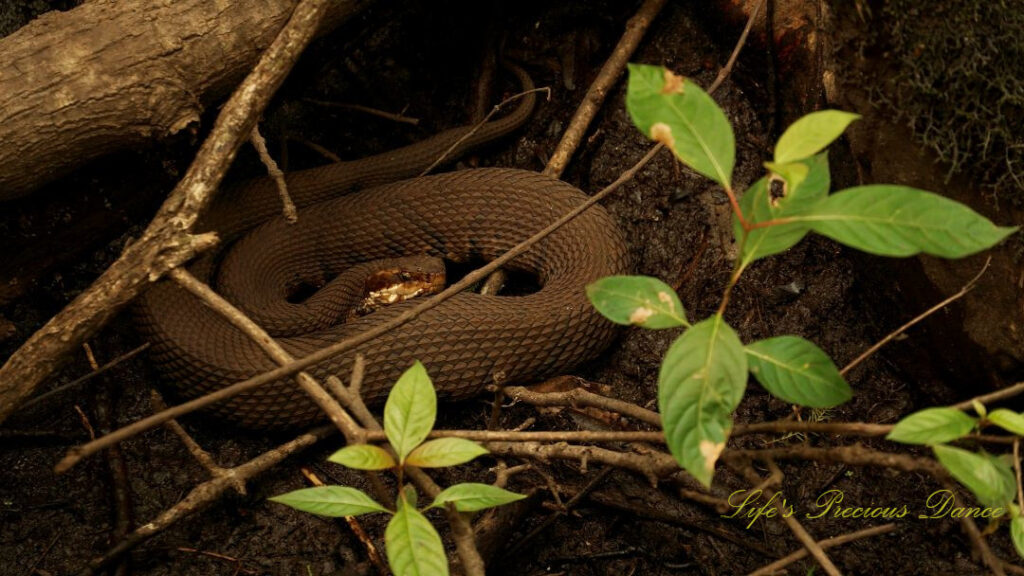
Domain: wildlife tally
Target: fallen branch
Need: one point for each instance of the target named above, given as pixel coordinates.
(167, 242)
(206, 494)
(778, 566)
(76, 86)
(599, 88)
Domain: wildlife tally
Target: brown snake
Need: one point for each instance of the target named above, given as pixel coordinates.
(469, 215)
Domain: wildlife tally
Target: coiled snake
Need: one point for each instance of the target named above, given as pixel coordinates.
(468, 215)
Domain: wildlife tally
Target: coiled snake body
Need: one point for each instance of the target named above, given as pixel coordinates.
(464, 342)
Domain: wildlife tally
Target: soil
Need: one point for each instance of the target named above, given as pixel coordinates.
(422, 59)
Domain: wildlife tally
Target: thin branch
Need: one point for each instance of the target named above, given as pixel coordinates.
(581, 397)
(545, 436)
(366, 110)
(334, 411)
(727, 69)
(260, 144)
(985, 399)
(340, 418)
(1017, 473)
(652, 465)
(82, 379)
(330, 156)
(960, 294)
(201, 455)
(601, 86)
(480, 125)
(790, 520)
(568, 506)
(988, 558)
(205, 494)
(778, 566)
(293, 367)
(167, 242)
(787, 426)
(356, 527)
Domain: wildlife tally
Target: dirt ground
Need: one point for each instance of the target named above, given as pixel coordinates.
(422, 58)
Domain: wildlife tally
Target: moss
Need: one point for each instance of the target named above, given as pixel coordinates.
(959, 82)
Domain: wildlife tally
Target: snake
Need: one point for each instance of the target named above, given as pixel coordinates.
(378, 209)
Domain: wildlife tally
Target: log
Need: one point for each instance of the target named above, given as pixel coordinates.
(167, 242)
(109, 75)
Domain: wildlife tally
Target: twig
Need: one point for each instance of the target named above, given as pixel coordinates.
(785, 426)
(366, 109)
(960, 294)
(1008, 392)
(581, 397)
(790, 520)
(609, 75)
(315, 147)
(238, 563)
(77, 453)
(480, 124)
(197, 451)
(544, 436)
(569, 505)
(727, 69)
(990, 560)
(119, 478)
(260, 144)
(857, 455)
(167, 242)
(1016, 470)
(781, 563)
(82, 379)
(652, 465)
(46, 551)
(329, 405)
(85, 422)
(357, 529)
(205, 494)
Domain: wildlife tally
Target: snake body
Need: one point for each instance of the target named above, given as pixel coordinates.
(467, 341)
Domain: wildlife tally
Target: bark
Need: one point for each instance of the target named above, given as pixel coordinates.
(109, 75)
(167, 242)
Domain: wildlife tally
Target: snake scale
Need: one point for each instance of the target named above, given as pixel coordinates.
(467, 215)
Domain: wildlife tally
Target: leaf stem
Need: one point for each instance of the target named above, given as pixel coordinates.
(738, 267)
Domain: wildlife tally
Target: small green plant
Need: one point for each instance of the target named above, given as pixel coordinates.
(412, 544)
(704, 373)
(989, 477)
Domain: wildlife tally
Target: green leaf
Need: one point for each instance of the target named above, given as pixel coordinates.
(890, 220)
(1017, 534)
(1008, 420)
(701, 382)
(410, 410)
(811, 134)
(444, 452)
(332, 501)
(762, 242)
(759, 206)
(797, 371)
(814, 186)
(470, 497)
(639, 300)
(413, 546)
(675, 111)
(989, 478)
(363, 457)
(932, 426)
